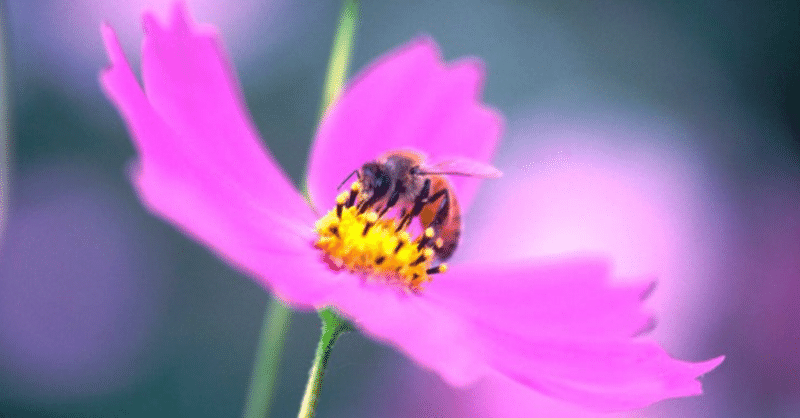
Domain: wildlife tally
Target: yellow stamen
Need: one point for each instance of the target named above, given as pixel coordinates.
(441, 268)
(425, 238)
(354, 189)
(365, 244)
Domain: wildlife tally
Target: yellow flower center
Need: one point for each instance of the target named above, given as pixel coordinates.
(364, 243)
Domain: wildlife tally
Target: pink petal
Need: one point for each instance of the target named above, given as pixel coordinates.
(603, 375)
(564, 299)
(191, 85)
(436, 338)
(558, 329)
(202, 166)
(565, 330)
(501, 397)
(592, 361)
(407, 99)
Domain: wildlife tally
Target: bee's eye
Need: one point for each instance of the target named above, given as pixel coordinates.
(381, 183)
(414, 171)
(380, 179)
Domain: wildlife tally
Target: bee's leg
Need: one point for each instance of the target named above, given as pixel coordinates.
(439, 194)
(419, 202)
(395, 196)
(377, 195)
(446, 241)
(440, 217)
(368, 201)
(444, 208)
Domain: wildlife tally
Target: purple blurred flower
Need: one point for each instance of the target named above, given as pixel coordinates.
(79, 288)
(558, 327)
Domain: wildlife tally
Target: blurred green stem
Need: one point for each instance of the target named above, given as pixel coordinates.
(276, 320)
(267, 361)
(332, 326)
(341, 51)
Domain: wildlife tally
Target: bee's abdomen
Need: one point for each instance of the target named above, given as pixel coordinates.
(443, 214)
(449, 230)
(449, 246)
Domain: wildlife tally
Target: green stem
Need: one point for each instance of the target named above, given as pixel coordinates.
(267, 361)
(332, 326)
(273, 331)
(339, 61)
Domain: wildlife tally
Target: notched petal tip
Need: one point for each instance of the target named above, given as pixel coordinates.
(470, 68)
(151, 25)
(496, 120)
(423, 48)
(115, 77)
(605, 376)
(424, 41)
(181, 18)
(111, 44)
(706, 366)
(688, 382)
(471, 71)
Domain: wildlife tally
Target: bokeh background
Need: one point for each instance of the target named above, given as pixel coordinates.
(663, 134)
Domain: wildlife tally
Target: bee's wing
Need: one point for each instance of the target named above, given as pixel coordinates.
(465, 167)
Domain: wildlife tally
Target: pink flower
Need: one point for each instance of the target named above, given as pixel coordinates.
(558, 327)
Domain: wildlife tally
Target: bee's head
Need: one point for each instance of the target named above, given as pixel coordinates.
(375, 178)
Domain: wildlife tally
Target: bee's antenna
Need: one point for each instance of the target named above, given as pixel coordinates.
(347, 178)
(443, 173)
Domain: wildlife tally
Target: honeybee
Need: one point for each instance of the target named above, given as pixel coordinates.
(403, 181)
